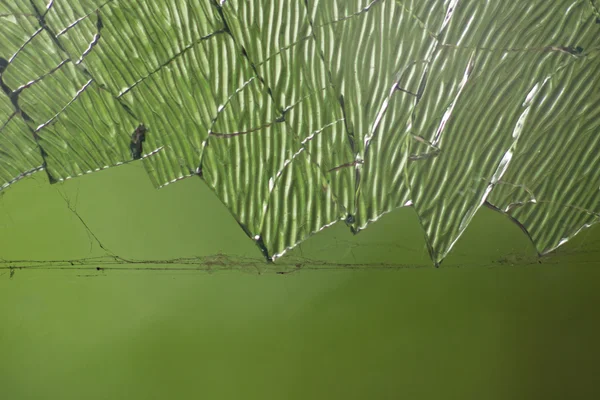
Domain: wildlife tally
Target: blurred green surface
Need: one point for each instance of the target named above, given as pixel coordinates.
(361, 317)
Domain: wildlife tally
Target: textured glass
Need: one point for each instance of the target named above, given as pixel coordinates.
(303, 114)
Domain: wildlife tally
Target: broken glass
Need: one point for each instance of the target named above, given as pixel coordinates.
(301, 115)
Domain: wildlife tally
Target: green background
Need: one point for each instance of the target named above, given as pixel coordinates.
(356, 317)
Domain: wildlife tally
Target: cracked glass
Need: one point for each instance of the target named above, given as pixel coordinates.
(300, 115)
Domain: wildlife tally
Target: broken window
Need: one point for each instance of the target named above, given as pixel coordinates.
(304, 114)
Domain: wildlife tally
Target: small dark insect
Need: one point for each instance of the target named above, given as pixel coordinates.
(12, 272)
(137, 139)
